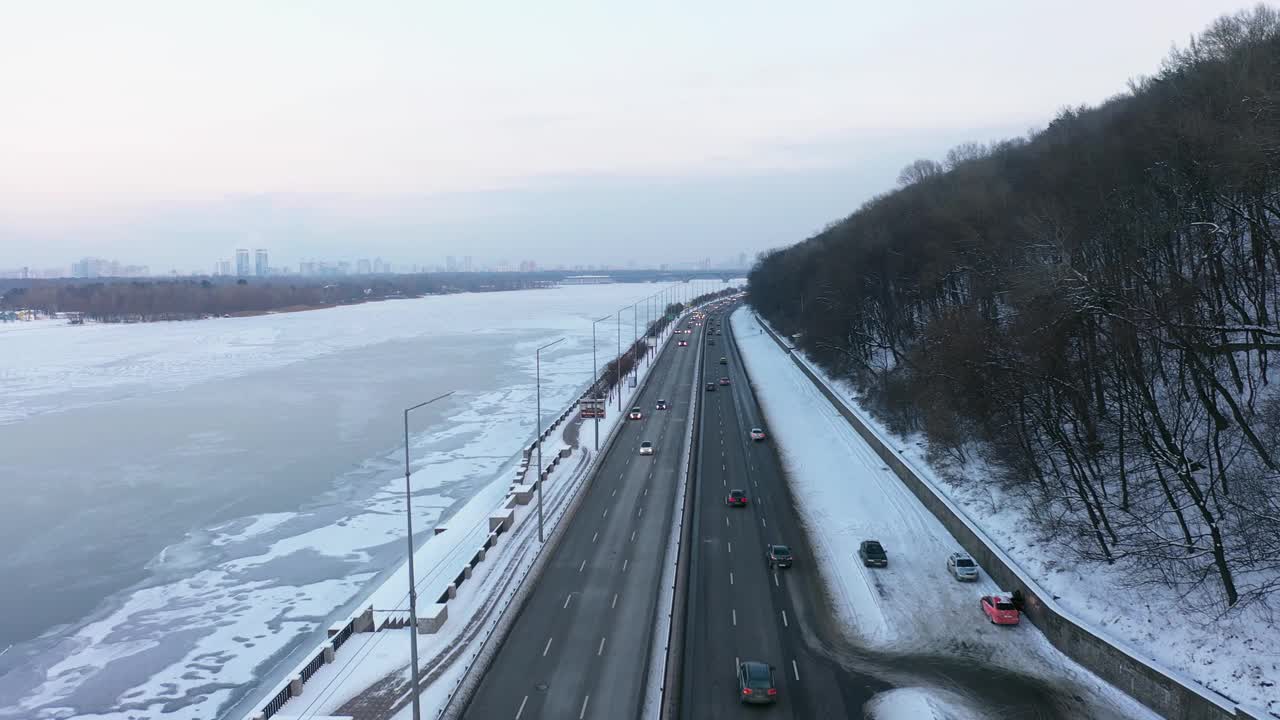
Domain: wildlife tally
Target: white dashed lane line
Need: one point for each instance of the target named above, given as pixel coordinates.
(521, 710)
(547, 647)
(784, 619)
(795, 670)
(567, 598)
(583, 712)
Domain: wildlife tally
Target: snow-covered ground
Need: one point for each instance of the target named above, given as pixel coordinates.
(1236, 655)
(845, 494)
(224, 604)
(917, 704)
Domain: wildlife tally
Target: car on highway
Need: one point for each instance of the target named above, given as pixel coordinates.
(711, 387)
(999, 609)
(635, 413)
(683, 343)
(961, 566)
(779, 555)
(724, 381)
(873, 554)
(646, 448)
(736, 498)
(756, 434)
(661, 405)
(724, 361)
(755, 683)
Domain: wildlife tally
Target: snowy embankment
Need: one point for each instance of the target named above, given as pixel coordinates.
(375, 664)
(1235, 655)
(917, 704)
(845, 494)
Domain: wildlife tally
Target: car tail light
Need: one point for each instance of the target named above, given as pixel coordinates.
(746, 691)
(773, 691)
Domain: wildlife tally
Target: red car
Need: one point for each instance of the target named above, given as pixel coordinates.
(999, 609)
(724, 381)
(736, 498)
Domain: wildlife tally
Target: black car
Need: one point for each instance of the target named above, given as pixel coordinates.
(711, 387)
(873, 554)
(779, 555)
(755, 683)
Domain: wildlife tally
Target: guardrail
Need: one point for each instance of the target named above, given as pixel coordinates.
(1159, 688)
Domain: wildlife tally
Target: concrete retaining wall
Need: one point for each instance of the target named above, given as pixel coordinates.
(1158, 688)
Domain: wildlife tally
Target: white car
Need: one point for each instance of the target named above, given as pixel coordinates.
(635, 413)
(646, 448)
(962, 567)
(757, 434)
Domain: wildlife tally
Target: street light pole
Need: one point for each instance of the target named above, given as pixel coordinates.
(538, 374)
(635, 340)
(617, 367)
(595, 379)
(413, 586)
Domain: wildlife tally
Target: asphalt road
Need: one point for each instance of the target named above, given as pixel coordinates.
(739, 608)
(579, 647)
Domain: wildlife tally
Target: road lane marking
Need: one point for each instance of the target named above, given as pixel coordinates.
(606, 512)
(614, 604)
(646, 490)
(639, 512)
(583, 712)
(600, 650)
(784, 619)
(548, 647)
(593, 538)
(624, 565)
(583, 565)
(521, 710)
(730, 577)
(762, 523)
(567, 598)
(633, 536)
(735, 617)
(726, 521)
(795, 670)
(730, 546)
(775, 579)
(615, 492)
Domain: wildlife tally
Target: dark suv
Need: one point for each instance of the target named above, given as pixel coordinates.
(779, 555)
(873, 554)
(755, 683)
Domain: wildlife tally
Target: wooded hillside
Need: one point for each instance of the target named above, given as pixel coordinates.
(1093, 310)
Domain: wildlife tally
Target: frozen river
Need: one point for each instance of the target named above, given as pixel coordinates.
(185, 503)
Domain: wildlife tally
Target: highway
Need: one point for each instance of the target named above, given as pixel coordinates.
(740, 609)
(580, 645)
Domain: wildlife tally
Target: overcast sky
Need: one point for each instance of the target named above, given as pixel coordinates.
(170, 133)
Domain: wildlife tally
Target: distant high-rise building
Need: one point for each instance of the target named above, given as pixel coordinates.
(451, 264)
(224, 267)
(242, 262)
(466, 263)
(362, 266)
(260, 266)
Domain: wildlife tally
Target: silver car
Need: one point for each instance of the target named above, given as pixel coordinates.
(962, 567)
